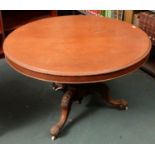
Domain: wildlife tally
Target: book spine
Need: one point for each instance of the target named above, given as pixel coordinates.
(112, 14)
(115, 14)
(103, 13)
(109, 13)
(120, 14)
(99, 12)
(106, 13)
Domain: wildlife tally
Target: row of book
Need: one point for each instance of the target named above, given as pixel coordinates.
(142, 19)
(116, 14)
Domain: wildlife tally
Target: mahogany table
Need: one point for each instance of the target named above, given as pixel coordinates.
(77, 54)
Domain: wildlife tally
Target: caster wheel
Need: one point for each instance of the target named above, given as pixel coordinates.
(53, 138)
(122, 104)
(122, 107)
(126, 108)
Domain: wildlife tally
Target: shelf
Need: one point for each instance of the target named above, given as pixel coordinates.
(16, 18)
(11, 27)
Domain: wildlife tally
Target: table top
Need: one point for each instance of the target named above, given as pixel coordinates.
(76, 46)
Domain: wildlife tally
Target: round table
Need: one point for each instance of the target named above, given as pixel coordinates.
(77, 54)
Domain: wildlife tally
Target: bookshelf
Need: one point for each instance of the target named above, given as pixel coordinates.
(116, 14)
(127, 15)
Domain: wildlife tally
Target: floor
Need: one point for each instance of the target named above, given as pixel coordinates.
(30, 107)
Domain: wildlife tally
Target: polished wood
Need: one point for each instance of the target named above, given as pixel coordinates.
(65, 109)
(76, 93)
(12, 19)
(76, 46)
(76, 79)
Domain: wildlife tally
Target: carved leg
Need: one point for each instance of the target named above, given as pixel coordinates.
(77, 93)
(116, 103)
(65, 109)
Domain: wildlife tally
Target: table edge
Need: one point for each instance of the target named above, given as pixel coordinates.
(90, 73)
(76, 79)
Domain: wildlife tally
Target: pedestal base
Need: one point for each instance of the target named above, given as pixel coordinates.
(77, 93)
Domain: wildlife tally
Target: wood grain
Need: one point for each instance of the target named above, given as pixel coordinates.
(71, 48)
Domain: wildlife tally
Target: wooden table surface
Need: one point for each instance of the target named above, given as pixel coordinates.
(76, 49)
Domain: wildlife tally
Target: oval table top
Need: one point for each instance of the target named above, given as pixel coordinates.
(72, 48)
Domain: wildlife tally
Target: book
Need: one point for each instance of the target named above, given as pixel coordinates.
(128, 16)
(120, 14)
(108, 13)
(102, 12)
(117, 14)
(114, 14)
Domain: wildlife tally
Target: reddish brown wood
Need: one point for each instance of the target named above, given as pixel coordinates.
(65, 108)
(116, 103)
(77, 93)
(76, 79)
(77, 46)
(54, 13)
(11, 19)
